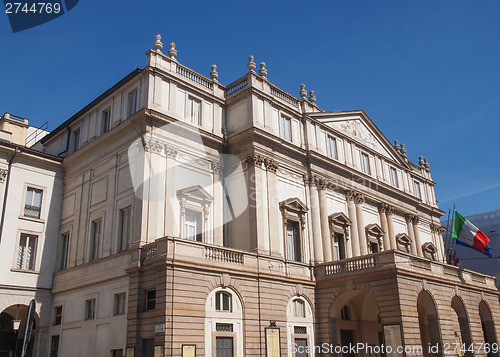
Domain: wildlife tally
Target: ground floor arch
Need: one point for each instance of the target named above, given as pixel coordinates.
(461, 324)
(488, 327)
(13, 321)
(429, 325)
(354, 317)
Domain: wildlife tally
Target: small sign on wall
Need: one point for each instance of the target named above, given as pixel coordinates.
(160, 328)
(188, 350)
(273, 346)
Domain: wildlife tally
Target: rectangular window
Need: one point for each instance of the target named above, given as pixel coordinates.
(33, 203)
(224, 347)
(365, 161)
(27, 252)
(332, 147)
(194, 111)
(286, 128)
(394, 177)
(124, 229)
(117, 353)
(64, 251)
(150, 300)
(374, 248)
(148, 347)
(95, 234)
(58, 315)
(418, 192)
(132, 102)
(54, 346)
(293, 241)
(119, 304)
(106, 120)
(301, 346)
(339, 246)
(76, 140)
(89, 309)
(193, 226)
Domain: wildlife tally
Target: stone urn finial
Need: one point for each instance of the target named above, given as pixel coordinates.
(251, 64)
(214, 74)
(263, 70)
(303, 92)
(172, 52)
(312, 97)
(403, 149)
(426, 164)
(158, 45)
(421, 160)
(396, 145)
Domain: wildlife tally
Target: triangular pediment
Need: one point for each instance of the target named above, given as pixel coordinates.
(374, 230)
(195, 192)
(294, 203)
(340, 219)
(358, 127)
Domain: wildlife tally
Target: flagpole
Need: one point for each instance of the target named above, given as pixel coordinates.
(447, 238)
(452, 242)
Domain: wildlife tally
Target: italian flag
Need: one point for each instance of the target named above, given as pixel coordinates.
(469, 235)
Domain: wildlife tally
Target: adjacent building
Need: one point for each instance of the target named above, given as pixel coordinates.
(31, 184)
(202, 219)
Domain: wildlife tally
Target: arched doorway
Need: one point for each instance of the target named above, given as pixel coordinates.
(461, 325)
(488, 327)
(354, 317)
(429, 326)
(12, 328)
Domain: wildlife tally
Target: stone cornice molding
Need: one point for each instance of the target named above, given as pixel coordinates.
(171, 151)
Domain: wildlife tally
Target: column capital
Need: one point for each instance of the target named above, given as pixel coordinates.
(270, 165)
(351, 195)
(437, 228)
(409, 217)
(171, 151)
(360, 198)
(255, 159)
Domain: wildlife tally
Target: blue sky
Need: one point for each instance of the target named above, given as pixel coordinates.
(426, 72)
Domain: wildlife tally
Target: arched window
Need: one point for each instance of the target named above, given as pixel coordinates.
(222, 301)
(299, 309)
(345, 313)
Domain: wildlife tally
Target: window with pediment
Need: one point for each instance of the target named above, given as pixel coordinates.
(429, 250)
(374, 237)
(339, 232)
(403, 242)
(195, 205)
(294, 218)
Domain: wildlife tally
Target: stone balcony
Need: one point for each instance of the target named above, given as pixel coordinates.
(188, 253)
(185, 252)
(403, 263)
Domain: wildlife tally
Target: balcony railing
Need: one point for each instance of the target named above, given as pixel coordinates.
(31, 211)
(350, 265)
(284, 96)
(193, 76)
(223, 255)
(237, 86)
(185, 251)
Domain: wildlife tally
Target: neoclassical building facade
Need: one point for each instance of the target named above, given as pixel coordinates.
(202, 219)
